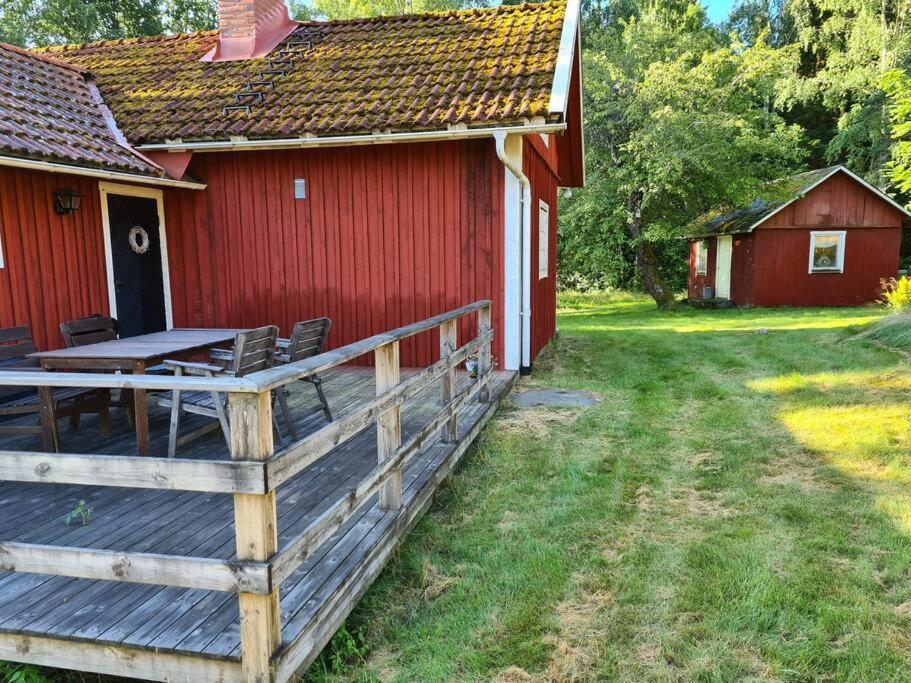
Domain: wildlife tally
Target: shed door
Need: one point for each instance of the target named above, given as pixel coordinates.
(723, 268)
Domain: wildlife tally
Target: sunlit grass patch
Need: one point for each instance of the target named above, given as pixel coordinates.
(737, 507)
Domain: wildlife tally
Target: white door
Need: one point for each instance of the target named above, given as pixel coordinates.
(723, 267)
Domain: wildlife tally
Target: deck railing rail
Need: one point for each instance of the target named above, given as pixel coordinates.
(255, 471)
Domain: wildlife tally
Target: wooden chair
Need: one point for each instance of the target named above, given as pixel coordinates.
(15, 346)
(93, 330)
(307, 340)
(253, 351)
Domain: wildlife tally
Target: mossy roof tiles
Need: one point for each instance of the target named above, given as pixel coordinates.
(48, 113)
(479, 67)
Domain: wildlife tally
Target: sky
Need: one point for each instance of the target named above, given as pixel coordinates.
(718, 9)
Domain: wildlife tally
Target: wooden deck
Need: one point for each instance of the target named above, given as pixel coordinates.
(314, 599)
(158, 543)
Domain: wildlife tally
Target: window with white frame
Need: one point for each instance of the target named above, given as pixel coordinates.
(543, 239)
(827, 251)
(702, 257)
(2, 262)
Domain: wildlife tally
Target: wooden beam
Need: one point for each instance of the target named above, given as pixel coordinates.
(295, 553)
(104, 380)
(134, 663)
(283, 374)
(389, 424)
(256, 534)
(448, 343)
(113, 565)
(485, 331)
(134, 472)
(308, 450)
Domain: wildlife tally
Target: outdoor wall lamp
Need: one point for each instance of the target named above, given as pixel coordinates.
(67, 201)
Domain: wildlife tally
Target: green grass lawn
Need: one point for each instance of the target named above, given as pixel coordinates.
(738, 507)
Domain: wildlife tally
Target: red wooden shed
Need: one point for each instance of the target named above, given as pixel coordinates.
(375, 171)
(822, 238)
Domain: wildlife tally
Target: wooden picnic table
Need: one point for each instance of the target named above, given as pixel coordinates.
(136, 355)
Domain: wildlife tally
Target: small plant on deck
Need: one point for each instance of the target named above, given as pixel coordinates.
(81, 512)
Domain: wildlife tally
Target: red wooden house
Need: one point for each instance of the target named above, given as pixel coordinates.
(822, 238)
(375, 171)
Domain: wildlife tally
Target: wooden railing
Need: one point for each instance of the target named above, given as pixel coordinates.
(255, 471)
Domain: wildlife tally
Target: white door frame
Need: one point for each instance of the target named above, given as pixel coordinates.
(132, 191)
(725, 240)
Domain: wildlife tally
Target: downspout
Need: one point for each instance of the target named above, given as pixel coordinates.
(524, 350)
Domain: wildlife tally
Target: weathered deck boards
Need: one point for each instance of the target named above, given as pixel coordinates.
(205, 623)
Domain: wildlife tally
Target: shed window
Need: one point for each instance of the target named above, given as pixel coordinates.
(702, 257)
(543, 239)
(827, 252)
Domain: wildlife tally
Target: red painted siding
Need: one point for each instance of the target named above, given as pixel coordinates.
(538, 164)
(782, 261)
(769, 267)
(388, 234)
(53, 265)
(696, 281)
(569, 146)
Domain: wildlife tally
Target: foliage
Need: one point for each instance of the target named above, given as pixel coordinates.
(897, 85)
(344, 654)
(893, 331)
(48, 22)
(676, 124)
(897, 293)
(82, 512)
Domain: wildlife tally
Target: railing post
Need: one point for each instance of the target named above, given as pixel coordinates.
(255, 530)
(449, 342)
(484, 356)
(389, 424)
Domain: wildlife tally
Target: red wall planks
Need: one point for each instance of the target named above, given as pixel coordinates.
(695, 280)
(388, 234)
(770, 266)
(53, 265)
(780, 274)
(537, 165)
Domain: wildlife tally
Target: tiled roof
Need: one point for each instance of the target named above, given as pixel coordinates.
(47, 113)
(778, 194)
(480, 67)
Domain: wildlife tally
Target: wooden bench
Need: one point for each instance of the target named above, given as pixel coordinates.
(15, 346)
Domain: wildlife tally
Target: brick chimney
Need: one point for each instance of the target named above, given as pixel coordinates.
(250, 28)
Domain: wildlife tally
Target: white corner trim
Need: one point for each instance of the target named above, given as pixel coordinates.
(875, 190)
(132, 191)
(842, 242)
(559, 92)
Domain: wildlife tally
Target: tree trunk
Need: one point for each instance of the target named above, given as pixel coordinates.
(646, 262)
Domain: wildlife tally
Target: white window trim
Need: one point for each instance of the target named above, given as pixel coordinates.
(842, 239)
(134, 191)
(2, 262)
(702, 268)
(543, 247)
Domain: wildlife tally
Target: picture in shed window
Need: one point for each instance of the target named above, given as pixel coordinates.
(543, 239)
(702, 257)
(827, 251)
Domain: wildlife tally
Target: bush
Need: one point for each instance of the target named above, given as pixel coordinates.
(897, 293)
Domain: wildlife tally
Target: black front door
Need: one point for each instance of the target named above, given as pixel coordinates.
(138, 275)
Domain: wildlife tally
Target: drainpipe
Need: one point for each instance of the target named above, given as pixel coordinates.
(524, 286)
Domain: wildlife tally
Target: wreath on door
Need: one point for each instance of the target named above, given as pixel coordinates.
(139, 239)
